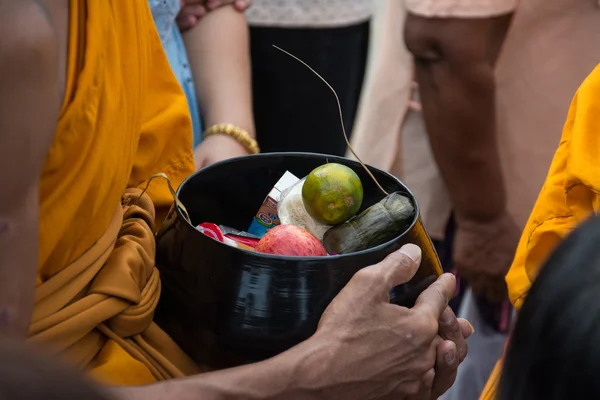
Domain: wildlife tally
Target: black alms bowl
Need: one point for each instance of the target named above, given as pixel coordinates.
(253, 305)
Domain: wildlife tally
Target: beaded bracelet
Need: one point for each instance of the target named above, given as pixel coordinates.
(240, 136)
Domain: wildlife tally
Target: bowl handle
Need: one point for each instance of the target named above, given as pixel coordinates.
(178, 202)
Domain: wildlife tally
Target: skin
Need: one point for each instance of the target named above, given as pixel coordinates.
(221, 68)
(20, 366)
(193, 10)
(454, 61)
(29, 103)
(364, 346)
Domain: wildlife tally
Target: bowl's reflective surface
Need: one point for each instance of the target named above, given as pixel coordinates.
(252, 304)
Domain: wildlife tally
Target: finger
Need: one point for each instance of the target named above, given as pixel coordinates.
(446, 367)
(465, 328)
(491, 289)
(434, 300)
(397, 268)
(499, 290)
(242, 5)
(428, 378)
(426, 385)
(423, 387)
(186, 22)
(482, 285)
(450, 330)
(195, 10)
(213, 4)
(416, 106)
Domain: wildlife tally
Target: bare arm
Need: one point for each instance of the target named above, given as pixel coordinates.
(283, 377)
(29, 106)
(342, 360)
(194, 10)
(219, 56)
(455, 70)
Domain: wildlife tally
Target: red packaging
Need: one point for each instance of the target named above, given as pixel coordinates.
(211, 230)
(251, 242)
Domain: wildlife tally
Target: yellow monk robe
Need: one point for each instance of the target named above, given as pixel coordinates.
(124, 118)
(570, 195)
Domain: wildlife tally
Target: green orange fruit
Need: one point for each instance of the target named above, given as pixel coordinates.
(332, 194)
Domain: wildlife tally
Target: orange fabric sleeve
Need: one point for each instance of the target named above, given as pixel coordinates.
(164, 146)
(570, 193)
(124, 119)
(569, 196)
(165, 143)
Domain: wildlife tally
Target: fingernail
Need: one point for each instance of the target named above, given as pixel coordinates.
(450, 357)
(471, 327)
(411, 251)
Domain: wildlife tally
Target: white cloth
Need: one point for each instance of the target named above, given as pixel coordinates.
(309, 13)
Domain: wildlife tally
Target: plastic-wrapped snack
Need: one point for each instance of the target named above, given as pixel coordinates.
(291, 211)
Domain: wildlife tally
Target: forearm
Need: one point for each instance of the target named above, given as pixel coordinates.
(218, 51)
(29, 106)
(459, 113)
(18, 265)
(457, 88)
(293, 375)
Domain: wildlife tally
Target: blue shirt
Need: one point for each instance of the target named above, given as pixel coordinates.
(164, 13)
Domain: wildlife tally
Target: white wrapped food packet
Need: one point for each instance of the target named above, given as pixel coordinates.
(291, 211)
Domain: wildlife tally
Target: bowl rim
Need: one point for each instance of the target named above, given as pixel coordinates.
(299, 258)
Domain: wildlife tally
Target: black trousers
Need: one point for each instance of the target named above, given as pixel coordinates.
(293, 109)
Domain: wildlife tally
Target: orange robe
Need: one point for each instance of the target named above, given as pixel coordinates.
(123, 119)
(571, 193)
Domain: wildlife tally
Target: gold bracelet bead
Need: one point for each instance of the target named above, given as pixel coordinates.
(237, 133)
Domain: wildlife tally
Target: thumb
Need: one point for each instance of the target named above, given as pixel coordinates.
(242, 5)
(397, 268)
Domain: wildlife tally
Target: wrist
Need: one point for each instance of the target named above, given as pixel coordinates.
(294, 374)
(483, 207)
(479, 216)
(483, 221)
(222, 141)
(241, 136)
(310, 368)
